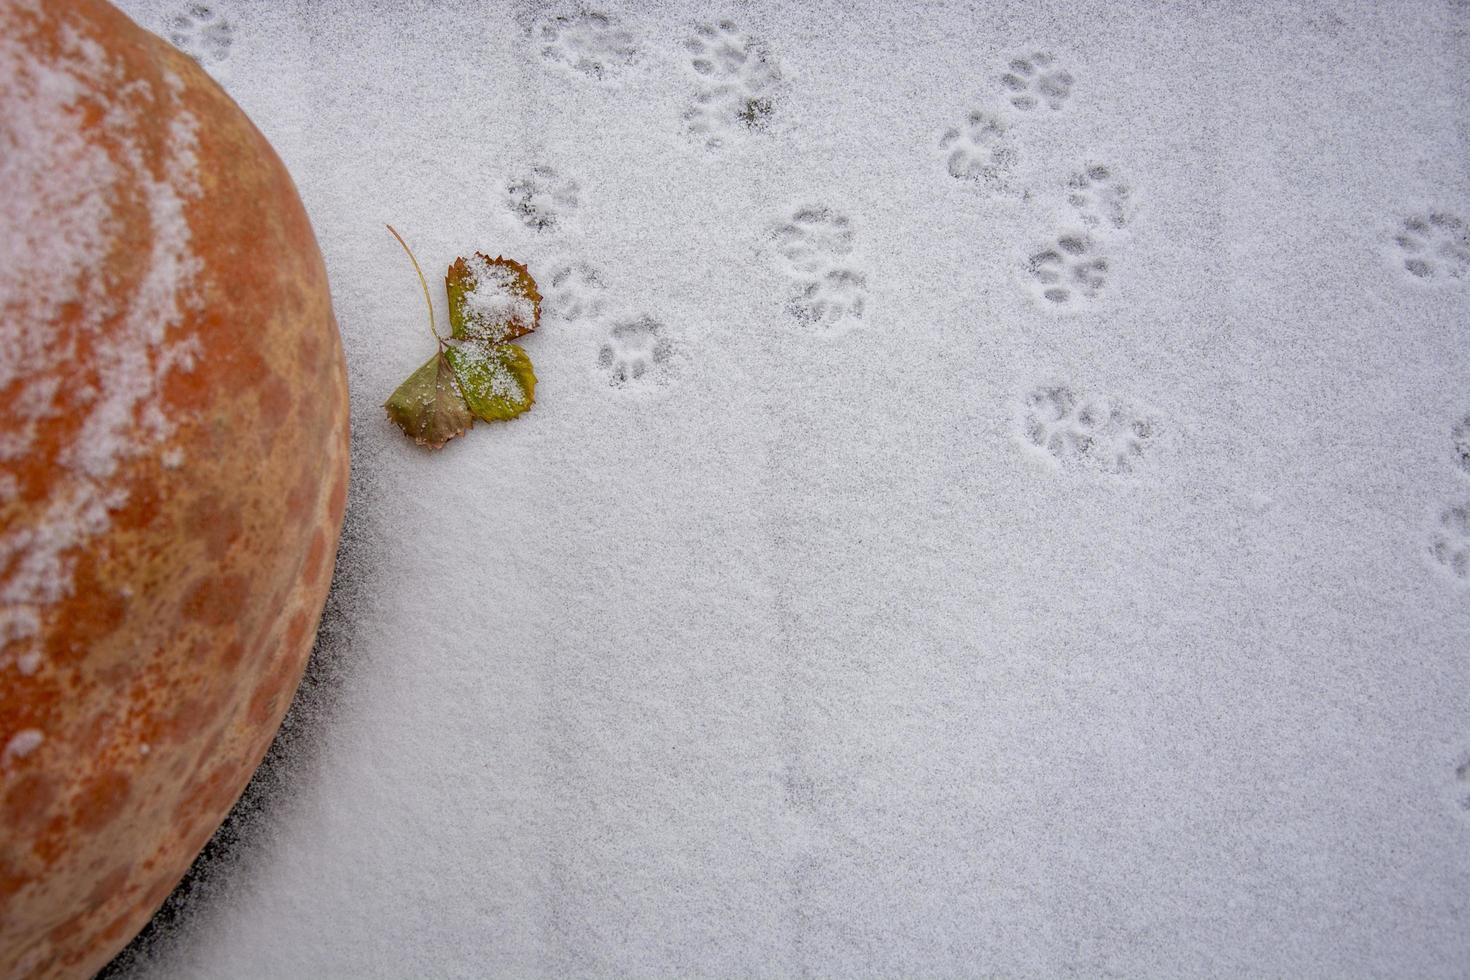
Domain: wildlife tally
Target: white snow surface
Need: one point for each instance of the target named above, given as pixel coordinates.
(847, 605)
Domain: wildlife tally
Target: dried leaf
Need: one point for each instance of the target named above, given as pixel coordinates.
(497, 380)
(429, 406)
(475, 374)
(493, 300)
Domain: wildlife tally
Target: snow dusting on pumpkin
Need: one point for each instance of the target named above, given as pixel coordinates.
(102, 379)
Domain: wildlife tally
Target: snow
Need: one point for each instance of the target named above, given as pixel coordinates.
(22, 743)
(845, 605)
(493, 303)
(490, 371)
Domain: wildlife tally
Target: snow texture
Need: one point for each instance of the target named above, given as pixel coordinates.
(849, 604)
(492, 304)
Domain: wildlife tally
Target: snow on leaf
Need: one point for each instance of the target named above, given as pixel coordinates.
(493, 300)
(475, 374)
(497, 380)
(429, 406)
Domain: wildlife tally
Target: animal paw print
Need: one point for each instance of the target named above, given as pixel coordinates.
(813, 239)
(591, 43)
(1077, 430)
(1035, 80)
(1071, 270)
(980, 149)
(202, 33)
(718, 50)
(1460, 435)
(637, 355)
(542, 198)
(1101, 197)
(826, 303)
(720, 110)
(813, 246)
(574, 291)
(1449, 543)
(738, 78)
(1434, 246)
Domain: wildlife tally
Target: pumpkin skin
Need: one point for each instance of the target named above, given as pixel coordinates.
(173, 471)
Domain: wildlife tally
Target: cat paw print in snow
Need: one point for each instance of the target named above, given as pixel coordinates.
(737, 81)
(1460, 437)
(814, 246)
(1068, 272)
(636, 355)
(591, 43)
(1101, 198)
(1077, 430)
(831, 302)
(202, 33)
(812, 239)
(574, 291)
(541, 198)
(1449, 543)
(1035, 80)
(719, 50)
(1434, 246)
(980, 149)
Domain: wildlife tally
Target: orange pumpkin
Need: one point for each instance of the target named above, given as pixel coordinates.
(173, 471)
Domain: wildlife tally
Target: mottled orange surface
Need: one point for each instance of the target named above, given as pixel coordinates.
(169, 663)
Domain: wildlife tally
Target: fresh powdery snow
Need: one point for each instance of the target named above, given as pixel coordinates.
(995, 503)
(494, 300)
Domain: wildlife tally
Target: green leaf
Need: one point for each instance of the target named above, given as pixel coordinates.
(497, 380)
(494, 300)
(429, 406)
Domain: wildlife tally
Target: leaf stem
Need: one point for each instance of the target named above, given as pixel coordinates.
(422, 282)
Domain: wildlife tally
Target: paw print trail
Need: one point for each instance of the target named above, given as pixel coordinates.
(1073, 269)
(1035, 80)
(1435, 246)
(1449, 535)
(1449, 543)
(1460, 439)
(738, 78)
(1102, 199)
(574, 291)
(595, 45)
(1068, 272)
(813, 239)
(980, 150)
(202, 33)
(814, 247)
(1076, 430)
(637, 355)
(542, 199)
